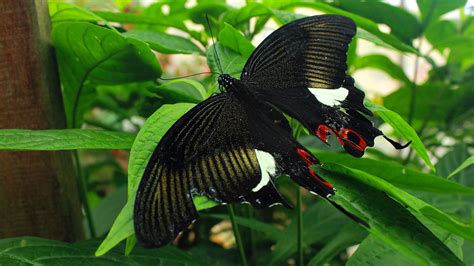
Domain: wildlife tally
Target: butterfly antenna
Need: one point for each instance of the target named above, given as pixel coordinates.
(214, 45)
(187, 76)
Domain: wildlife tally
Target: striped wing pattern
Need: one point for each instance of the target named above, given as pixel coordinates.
(310, 52)
(164, 206)
(202, 154)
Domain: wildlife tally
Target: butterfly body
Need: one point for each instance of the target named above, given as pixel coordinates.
(233, 145)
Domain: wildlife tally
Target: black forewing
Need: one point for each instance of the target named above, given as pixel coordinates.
(311, 53)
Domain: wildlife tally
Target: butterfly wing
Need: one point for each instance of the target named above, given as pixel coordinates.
(301, 69)
(216, 150)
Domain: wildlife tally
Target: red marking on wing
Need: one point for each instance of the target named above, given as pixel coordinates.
(310, 161)
(342, 136)
(361, 145)
(322, 132)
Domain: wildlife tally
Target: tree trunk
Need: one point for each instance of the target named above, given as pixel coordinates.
(38, 192)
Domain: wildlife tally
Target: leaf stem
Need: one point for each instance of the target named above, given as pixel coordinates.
(83, 194)
(238, 238)
(413, 86)
(299, 233)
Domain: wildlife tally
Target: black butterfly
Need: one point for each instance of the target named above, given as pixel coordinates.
(231, 146)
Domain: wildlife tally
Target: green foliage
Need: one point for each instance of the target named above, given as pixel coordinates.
(109, 64)
(37, 251)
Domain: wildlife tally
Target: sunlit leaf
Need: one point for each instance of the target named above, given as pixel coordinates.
(403, 129)
(233, 39)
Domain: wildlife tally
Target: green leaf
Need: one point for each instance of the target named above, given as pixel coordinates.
(403, 129)
(148, 138)
(373, 251)
(446, 29)
(145, 143)
(164, 42)
(397, 174)
(361, 22)
(242, 15)
(383, 63)
(63, 139)
(107, 210)
(141, 19)
(232, 63)
(441, 218)
(121, 229)
(431, 10)
(91, 54)
(468, 162)
(285, 17)
(349, 235)
(182, 90)
(213, 9)
(203, 202)
(362, 195)
(233, 39)
(378, 11)
(61, 12)
(39, 251)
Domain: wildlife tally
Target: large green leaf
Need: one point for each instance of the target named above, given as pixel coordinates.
(403, 129)
(431, 10)
(378, 11)
(233, 39)
(92, 54)
(359, 193)
(373, 251)
(39, 251)
(61, 12)
(63, 139)
(361, 22)
(397, 174)
(164, 42)
(383, 63)
(441, 218)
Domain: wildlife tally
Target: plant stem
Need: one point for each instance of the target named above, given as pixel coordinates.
(299, 233)
(414, 86)
(83, 194)
(238, 238)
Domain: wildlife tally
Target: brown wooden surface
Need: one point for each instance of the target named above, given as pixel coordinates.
(38, 192)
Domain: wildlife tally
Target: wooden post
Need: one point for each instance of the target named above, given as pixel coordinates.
(38, 191)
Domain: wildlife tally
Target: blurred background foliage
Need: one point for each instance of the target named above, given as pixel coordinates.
(416, 59)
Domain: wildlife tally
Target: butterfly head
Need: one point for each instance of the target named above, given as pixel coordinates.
(226, 81)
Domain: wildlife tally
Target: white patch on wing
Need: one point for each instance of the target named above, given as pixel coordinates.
(267, 168)
(330, 97)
